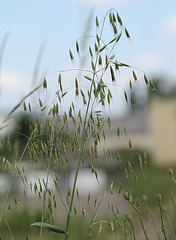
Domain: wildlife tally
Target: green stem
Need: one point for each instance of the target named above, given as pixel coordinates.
(7, 196)
(153, 221)
(93, 218)
(44, 199)
(141, 220)
(48, 173)
(162, 222)
(80, 154)
(13, 180)
(133, 234)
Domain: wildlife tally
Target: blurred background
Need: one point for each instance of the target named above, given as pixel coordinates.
(35, 36)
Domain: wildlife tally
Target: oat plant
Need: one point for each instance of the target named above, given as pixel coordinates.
(71, 127)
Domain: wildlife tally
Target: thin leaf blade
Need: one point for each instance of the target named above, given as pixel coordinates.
(59, 193)
(48, 226)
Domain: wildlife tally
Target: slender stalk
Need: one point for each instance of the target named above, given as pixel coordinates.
(153, 221)
(44, 199)
(48, 173)
(163, 228)
(13, 179)
(7, 196)
(93, 218)
(141, 220)
(134, 237)
(80, 153)
(20, 103)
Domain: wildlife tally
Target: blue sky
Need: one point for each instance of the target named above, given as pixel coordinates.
(55, 25)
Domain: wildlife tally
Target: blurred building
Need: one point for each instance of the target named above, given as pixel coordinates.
(162, 118)
(151, 129)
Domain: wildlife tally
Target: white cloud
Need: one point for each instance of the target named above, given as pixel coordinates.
(13, 86)
(13, 81)
(169, 26)
(149, 61)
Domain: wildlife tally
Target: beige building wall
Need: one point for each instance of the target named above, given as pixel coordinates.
(159, 137)
(162, 117)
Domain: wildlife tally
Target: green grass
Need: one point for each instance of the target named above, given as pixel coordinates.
(19, 221)
(157, 181)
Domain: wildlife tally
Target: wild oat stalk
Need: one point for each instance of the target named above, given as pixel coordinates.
(102, 60)
(128, 197)
(80, 153)
(163, 227)
(93, 91)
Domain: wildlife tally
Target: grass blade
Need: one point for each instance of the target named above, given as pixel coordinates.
(59, 193)
(48, 226)
(11, 235)
(57, 189)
